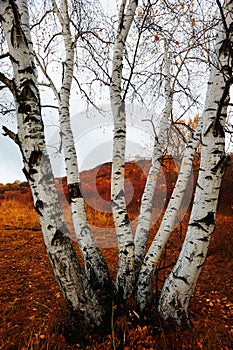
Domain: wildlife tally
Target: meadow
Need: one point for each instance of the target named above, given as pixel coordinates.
(33, 313)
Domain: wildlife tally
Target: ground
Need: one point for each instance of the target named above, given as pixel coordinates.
(33, 313)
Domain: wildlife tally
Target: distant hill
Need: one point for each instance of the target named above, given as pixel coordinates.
(96, 187)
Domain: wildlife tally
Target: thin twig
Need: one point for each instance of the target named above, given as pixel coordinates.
(42, 305)
(11, 134)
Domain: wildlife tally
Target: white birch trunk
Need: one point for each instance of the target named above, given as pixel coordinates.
(180, 284)
(125, 274)
(95, 265)
(143, 227)
(152, 258)
(37, 168)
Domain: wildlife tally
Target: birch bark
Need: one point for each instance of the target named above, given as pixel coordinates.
(125, 274)
(180, 284)
(37, 168)
(144, 219)
(95, 265)
(144, 284)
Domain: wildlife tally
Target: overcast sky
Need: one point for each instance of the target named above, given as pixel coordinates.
(10, 160)
(93, 133)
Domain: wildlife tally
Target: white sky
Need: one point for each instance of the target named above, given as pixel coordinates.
(10, 160)
(93, 135)
(93, 139)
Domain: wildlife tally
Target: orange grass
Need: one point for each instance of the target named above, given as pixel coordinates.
(34, 314)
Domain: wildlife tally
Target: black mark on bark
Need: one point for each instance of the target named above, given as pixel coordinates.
(39, 205)
(74, 191)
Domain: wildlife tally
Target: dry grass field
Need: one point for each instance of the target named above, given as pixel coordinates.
(33, 314)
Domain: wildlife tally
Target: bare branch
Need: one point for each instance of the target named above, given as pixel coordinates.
(11, 135)
(51, 84)
(53, 37)
(4, 55)
(223, 16)
(42, 18)
(8, 82)
(49, 106)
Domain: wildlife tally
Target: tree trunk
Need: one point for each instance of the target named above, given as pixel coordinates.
(143, 227)
(37, 168)
(144, 284)
(180, 284)
(125, 273)
(96, 267)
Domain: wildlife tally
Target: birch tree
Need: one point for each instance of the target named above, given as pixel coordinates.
(125, 274)
(141, 236)
(180, 284)
(96, 267)
(165, 77)
(152, 258)
(37, 168)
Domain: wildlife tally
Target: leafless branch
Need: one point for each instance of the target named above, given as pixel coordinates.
(11, 134)
(222, 15)
(51, 84)
(8, 82)
(42, 18)
(49, 42)
(4, 55)
(49, 106)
